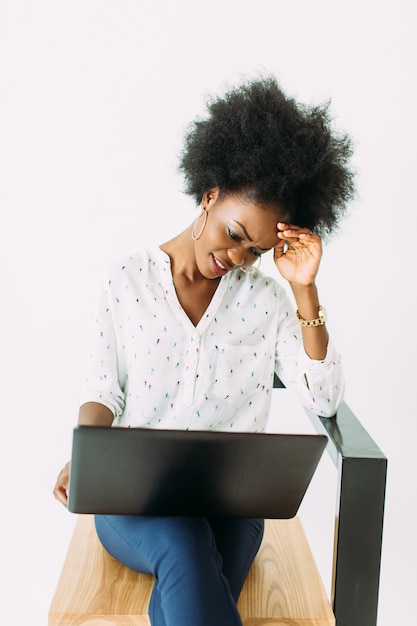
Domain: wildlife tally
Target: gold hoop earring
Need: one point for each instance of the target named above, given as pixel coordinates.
(193, 235)
(252, 269)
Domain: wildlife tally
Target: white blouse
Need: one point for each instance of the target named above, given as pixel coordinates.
(153, 368)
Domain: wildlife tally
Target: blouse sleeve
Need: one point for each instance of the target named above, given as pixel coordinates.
(319, 385)
(104, 380)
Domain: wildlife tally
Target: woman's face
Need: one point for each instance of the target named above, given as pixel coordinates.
(236, 234)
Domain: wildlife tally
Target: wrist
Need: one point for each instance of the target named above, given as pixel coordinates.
(307, 301)
(304, 290)
(318, 320)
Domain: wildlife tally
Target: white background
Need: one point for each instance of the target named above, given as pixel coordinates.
(94, 100)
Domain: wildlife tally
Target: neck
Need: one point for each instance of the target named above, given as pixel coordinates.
(194, 291)
(180, 250)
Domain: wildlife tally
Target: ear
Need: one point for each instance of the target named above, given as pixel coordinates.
(209, 198)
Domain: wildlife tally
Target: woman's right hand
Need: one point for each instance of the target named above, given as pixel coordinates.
(91, 414)
(61, 485)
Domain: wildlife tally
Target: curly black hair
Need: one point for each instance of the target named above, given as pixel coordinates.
(262, 145)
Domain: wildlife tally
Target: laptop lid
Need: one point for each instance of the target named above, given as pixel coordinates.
(198, 473)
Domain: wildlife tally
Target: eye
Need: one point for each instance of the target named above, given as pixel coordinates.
(233, 235)
(255, 252)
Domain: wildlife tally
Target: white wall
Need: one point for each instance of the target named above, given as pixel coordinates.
(94, 99)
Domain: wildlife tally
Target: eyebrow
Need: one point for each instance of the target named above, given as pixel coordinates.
(248, 236)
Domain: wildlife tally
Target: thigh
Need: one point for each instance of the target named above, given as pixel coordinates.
(143, 543)
(146, 543)
(181, 552)
(127, 538)
(238, 541)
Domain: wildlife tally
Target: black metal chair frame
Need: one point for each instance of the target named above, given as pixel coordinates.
(362, 469)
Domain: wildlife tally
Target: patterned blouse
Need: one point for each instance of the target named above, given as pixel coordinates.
(153, 368)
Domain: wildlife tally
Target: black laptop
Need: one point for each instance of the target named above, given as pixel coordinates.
(140, 471)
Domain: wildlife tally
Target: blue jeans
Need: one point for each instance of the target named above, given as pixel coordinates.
(199, 564)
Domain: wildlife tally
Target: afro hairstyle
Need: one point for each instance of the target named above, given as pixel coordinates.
(260, 145)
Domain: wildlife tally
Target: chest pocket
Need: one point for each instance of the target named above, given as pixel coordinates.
(238, 370)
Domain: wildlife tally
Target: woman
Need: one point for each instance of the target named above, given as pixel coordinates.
(189, 334)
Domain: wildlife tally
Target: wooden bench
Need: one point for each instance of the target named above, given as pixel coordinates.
(283, 586)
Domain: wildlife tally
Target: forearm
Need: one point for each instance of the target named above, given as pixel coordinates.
(95, 414)
(315, 338)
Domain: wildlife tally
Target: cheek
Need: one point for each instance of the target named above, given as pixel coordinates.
(215, 237)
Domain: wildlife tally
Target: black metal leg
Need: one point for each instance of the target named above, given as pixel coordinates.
(362, 469)
(359, 539)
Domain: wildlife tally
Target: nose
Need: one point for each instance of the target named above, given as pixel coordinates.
(236, 256)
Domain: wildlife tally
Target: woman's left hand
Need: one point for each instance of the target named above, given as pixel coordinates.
(297, 254)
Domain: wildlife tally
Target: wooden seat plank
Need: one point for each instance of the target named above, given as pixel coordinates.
(283, 587)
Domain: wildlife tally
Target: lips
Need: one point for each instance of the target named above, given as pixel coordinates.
(219, 267)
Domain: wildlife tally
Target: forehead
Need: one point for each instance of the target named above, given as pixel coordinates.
(252, 220)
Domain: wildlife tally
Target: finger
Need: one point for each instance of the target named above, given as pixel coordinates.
(281, 247)
(61, 486)
(61, 494)
(288, 225)
(309, 237)
(291, 230)
(304, 237)
(280, 243)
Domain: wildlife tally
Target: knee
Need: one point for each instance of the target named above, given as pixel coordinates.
(184, 543)
(185, 535)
